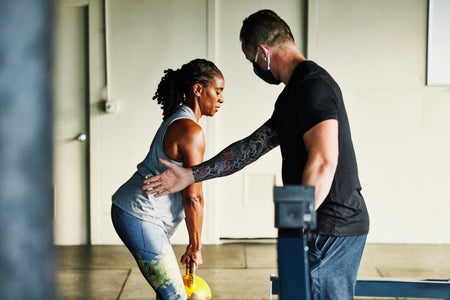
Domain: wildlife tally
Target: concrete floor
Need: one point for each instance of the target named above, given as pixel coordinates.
(233, 270)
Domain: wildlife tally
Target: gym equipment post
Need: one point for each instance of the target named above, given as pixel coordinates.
(294, 215)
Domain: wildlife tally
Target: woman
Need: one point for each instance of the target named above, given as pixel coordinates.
(145, 223)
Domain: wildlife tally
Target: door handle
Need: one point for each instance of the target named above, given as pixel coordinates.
(81, 137)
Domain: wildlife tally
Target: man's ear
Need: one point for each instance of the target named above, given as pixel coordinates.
(197, 89)
(263, 50)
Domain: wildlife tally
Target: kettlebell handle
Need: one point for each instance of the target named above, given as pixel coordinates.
(192, 267)
(190, 270)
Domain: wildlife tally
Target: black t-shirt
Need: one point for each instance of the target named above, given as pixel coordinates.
(310, 97)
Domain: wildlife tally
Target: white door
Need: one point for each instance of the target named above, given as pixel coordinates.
(71, 137)
(245, 201)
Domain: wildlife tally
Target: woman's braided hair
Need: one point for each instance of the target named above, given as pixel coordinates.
(175, 85)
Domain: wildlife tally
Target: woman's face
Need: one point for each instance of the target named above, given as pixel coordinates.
(211, 96)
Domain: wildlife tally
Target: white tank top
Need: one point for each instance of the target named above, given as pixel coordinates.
(167, 211)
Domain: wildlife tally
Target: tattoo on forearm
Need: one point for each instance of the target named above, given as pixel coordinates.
(237, 155)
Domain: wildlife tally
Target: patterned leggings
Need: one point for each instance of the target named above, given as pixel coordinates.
(154, 255)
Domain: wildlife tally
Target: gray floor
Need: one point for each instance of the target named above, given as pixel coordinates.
(234, 270)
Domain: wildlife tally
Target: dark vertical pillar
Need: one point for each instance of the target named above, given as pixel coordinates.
(294, 212)
(293, 268)
(27, 256)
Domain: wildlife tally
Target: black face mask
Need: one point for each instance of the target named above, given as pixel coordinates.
(265, 75)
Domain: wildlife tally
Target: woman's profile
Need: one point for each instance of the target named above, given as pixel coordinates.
(145, 223)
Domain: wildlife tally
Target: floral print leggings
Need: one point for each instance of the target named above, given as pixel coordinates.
(150, 246)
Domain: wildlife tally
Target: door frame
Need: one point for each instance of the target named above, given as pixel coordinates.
(96, 81)
(97, 86)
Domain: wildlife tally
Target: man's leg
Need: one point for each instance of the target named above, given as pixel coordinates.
(334, 263)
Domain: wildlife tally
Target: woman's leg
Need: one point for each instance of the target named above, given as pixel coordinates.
(154, 255)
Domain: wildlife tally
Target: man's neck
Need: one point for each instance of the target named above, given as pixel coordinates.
(287, 59)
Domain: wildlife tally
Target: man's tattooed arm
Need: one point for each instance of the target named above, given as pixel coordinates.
(239, 154)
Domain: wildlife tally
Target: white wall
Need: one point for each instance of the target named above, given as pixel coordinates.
(375, 49)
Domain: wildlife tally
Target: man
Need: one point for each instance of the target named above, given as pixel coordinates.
(310, 125)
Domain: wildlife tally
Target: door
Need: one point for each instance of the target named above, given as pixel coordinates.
(71, 139)
(245, 199)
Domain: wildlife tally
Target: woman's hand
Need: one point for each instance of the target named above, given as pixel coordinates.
(195, 255)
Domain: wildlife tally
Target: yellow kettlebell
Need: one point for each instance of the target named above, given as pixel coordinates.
(196, 287)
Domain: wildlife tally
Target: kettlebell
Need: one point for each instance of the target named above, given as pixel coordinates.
(196, 287)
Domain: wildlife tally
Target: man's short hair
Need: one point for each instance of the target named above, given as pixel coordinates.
(263, 27)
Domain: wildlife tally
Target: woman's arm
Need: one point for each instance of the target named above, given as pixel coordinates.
(184, 141)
